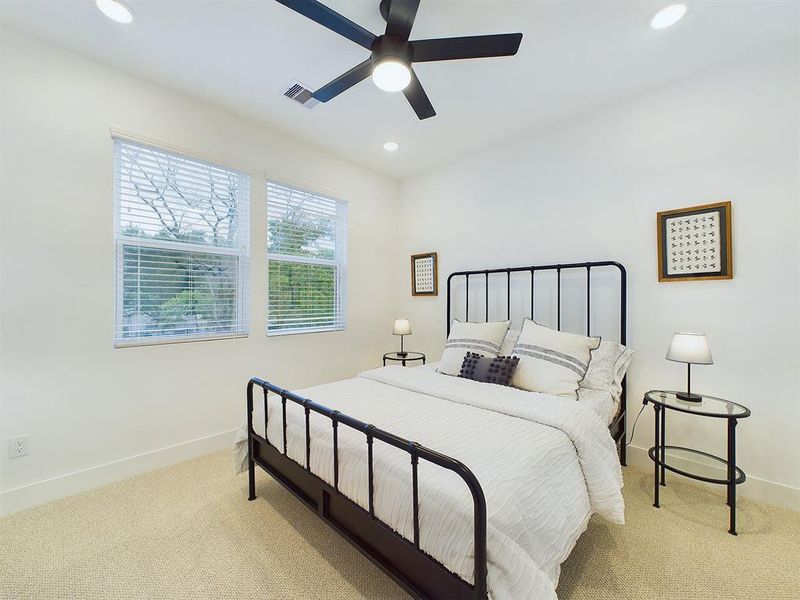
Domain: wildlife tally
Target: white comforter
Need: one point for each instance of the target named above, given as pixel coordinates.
(545, 465)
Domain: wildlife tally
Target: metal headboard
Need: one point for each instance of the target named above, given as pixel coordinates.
(618, 425)
(532, 270)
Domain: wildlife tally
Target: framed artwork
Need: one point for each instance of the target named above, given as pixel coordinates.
(424, 275)
(694, 243)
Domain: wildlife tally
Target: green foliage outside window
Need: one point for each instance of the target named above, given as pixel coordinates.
(311, 293)
(174, 292)
(301, 294)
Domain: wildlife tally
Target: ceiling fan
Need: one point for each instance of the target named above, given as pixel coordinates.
(393, 53)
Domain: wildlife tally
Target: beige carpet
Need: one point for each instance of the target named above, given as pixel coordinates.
(189, 532)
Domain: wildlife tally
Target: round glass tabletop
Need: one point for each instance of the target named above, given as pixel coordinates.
(408, 356)
(708, 406)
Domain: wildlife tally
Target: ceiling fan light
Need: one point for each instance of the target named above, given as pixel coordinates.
(391, 75)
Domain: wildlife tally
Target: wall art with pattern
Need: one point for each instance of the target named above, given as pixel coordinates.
(694, 243)
(424, 275)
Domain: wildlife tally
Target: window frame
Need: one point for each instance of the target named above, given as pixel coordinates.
(241, 249)
(339, 262)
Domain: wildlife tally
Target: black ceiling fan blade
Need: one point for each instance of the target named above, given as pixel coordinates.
(418, 99)
(401, 17)
(316, 11)
(477, 46)
(344, 81)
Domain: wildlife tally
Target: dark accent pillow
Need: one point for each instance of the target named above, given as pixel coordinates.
(487, 369)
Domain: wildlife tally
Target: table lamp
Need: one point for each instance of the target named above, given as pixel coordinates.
(402, 327)
(692, 349)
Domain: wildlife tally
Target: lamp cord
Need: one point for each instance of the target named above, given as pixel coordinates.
(633, 429)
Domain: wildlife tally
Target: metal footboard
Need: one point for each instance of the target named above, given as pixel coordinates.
(400, 558)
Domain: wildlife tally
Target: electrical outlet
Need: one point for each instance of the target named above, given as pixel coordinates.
(18, 446)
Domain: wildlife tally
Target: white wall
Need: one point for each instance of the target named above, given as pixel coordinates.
(590, 188)
(84, 403)
(585, 189)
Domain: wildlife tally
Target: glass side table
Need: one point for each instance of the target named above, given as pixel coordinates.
(408, 357)
(704, 466)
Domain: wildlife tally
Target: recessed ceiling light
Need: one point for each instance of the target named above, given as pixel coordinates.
(391, 75)
(391, 146)
(115, 10)
(668, 16)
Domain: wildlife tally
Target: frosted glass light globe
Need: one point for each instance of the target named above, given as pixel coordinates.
(391, 75)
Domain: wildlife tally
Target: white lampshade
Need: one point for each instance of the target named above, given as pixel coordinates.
(402, 327)
(690, 348)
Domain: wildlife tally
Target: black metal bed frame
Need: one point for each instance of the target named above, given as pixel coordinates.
(403, 560)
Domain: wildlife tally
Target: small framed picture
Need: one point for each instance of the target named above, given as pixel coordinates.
(424, 275)
(694, 243)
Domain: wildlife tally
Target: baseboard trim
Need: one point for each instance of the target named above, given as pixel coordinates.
(761, 490)
(47, 490)
(54, 488)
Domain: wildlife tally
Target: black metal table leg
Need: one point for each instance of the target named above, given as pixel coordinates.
(663, 446)
(384, 361)
(728, 466)
(732, 473)
(657, 454)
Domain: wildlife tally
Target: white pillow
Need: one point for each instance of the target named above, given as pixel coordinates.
(507, 347)
(550, 361)
(623, 362)
(483, 338)
(606, 361)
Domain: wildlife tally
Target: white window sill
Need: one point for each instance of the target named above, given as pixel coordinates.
(160, 341)
(280, 332)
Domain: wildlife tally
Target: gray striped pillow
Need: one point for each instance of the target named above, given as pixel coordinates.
(482, 338)
(550, 361)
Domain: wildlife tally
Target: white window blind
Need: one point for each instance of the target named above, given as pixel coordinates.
(181, 229)
(306, 261)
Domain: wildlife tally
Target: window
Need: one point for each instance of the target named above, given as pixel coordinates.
(181, 230)
(306, 261)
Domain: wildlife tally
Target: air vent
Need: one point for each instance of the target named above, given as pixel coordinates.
(300, 93)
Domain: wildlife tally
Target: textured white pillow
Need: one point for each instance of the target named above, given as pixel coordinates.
(507, 347)
(552, 362)
(621, 367)
(483, 338)
(603, 366)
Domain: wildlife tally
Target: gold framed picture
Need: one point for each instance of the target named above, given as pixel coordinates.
(694, 243)
(424, 274)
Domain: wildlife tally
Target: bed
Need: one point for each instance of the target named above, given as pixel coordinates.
(454, 488)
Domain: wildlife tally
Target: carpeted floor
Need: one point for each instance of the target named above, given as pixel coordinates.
(189, 532)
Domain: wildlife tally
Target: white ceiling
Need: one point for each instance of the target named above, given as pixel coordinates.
(575, 55)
